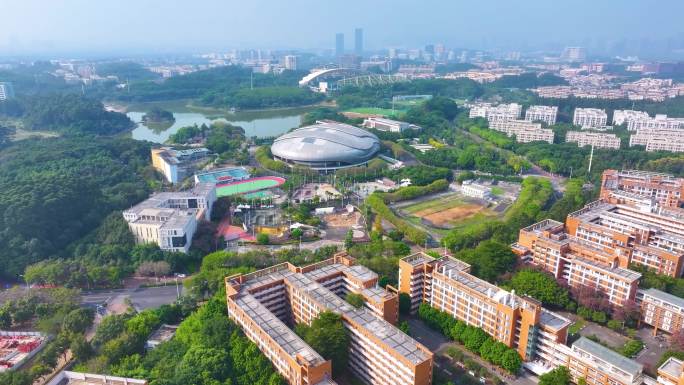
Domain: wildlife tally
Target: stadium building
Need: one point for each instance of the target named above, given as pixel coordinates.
(326, 146)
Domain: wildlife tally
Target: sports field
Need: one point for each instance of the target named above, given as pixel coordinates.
(448, 211)
(375, 111)
(248, 185)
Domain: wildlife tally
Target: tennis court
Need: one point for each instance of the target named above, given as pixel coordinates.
(222, 175)
(248, 185)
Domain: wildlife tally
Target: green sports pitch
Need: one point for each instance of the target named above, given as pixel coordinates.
(248, 185)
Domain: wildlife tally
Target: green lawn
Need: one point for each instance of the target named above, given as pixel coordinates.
(443, 203)
(576, 327)
(375, 111)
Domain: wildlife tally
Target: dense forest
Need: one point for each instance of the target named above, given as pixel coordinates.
(66, 113)
(54, 191)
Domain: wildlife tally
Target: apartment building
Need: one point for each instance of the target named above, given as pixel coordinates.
(643, 136)
(169, 219)
(523, 130)
(590, 118)
(546, 114)
(382, 124)
(663, 143)
(665, 189)
(268, 302)
(671, 372)
(501, 112)
(599, 365)
(575, 261)
(174, 164)
(519, 322)
(595, 139)
(661, 310)
(637, 120)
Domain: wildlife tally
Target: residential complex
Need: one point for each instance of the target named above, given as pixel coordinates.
(501, 112)
(595, 139)
(446, 284)
(268, 302)
(546, 114)
(524, 131)
(382, 124)
(659, 139)
(169, 219)
(176, 165)
(637, 120)
(667, 190)
(590, 118)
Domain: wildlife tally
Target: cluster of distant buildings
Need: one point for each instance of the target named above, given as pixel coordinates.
(600, 87)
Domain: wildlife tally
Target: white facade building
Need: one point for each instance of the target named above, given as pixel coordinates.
(598, 140)
(382, 124)
(523, 130)
(6, 91)
(637, 120)
(546, 114)
(290, 62)
(499, 112)
(590, 118)
(475, 190)
(169, 219)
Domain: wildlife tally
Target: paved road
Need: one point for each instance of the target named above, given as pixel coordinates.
(142, 298)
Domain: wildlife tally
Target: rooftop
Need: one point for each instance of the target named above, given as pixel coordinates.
(76, 378)
(665, 297)
(599, 351)
(627, 274)
(672, 367)
(553, 320)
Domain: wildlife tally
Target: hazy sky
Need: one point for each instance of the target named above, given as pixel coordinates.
(53, 26)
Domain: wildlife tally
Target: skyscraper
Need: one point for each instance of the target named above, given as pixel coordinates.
(339, 44)
(358, 41)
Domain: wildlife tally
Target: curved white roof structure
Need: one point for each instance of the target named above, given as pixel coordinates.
(326, 145)
(315, 74)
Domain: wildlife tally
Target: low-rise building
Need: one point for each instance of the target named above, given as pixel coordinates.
(598, 365)
(169, 219)
(174, 164)
(76, 378)
(546, 114)
(263, 303)
(475, 190)
(661, 310)
(598, 140)
(383, 124)
(163, 334)
(590, 118)
(671, 372)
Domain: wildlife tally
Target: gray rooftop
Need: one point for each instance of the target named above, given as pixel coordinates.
(618, 271)
(601, 352)
(665, 297)
(673, 367)
(553, 320)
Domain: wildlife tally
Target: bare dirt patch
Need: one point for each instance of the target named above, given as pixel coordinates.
(449, 216)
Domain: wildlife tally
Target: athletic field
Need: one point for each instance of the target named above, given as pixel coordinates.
(248, 185)
(375, 111)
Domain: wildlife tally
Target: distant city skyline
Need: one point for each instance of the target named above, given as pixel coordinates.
(44, 27)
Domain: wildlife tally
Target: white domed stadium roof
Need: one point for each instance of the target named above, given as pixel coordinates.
(326, 145)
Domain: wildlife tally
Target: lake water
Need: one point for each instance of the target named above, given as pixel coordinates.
(255, 123)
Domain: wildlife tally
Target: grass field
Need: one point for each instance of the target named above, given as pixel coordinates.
(497, 191)
(375, 111)
(448, 211)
